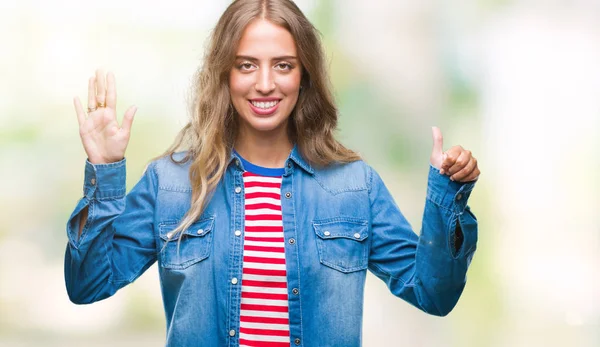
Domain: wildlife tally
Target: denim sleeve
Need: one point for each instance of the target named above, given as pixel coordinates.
(427, 270)
(117, 242)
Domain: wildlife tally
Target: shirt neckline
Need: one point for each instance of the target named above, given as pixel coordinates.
(260, 170)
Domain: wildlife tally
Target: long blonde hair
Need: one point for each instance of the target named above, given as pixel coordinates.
(210, 134)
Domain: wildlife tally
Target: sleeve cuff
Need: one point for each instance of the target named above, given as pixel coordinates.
(446, 193)
(104, 181)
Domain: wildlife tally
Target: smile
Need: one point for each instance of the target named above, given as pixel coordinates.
(264, 108)
(264, 105)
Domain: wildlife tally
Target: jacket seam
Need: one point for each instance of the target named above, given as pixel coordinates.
(380, 271)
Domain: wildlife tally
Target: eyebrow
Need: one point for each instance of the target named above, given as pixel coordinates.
(283, 57)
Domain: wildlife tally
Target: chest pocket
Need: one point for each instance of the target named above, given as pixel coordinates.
(343, 244)
(195, 245)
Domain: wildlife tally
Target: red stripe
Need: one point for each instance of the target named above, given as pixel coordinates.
(267, 296)
(267, 229)
(263, 217)
(264, 284)
(269, 332)
(263, 195)
(263, 343)
(264, 272)
(262, 185)
(264, 239)
(263, 205)
(267, 320)
(264, 260)
(263, 308)
(264, 249)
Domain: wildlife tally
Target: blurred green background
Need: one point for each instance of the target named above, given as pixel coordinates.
(517, 82)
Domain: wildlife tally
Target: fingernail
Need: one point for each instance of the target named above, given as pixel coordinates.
(442, 171)
(451, 179)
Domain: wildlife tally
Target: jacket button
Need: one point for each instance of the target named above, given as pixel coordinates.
(357, 235)
(234, 280)
(295, 291)
(459, 196)
(237, 233)
(288, 195)
(327, 233)
(93, 181)
(289, 165)
(238, 189)
(232, 333)
(297, 341)
(292, 241)
(200, 231)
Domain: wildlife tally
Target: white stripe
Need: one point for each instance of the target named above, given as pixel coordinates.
(262, 179)
(273, 255)
(280, 303)
(264, 290)
(264, 223)
(270, 314)
(264, 266)
(262, 190)
(252, 325)
(263, 243)
(264, 278)
(263, 201)
(262, 211)
(265, 338)
(265, 234)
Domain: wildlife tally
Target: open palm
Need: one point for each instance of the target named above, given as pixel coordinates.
(103, 139)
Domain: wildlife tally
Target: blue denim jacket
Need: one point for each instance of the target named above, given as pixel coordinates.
(338, 222)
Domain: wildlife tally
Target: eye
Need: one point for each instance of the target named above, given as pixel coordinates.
(246, 66)
(284, 66)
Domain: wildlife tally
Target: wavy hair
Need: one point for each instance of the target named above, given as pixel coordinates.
(211, 132)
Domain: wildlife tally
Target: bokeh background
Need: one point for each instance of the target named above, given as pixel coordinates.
(517, 82)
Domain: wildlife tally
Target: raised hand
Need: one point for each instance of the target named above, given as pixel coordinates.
(457, 162)
(103, 139)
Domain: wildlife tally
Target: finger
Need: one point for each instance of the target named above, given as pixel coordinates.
(466, 171)
(111, 91)
(438, 142)
(473, 176)
(128, 118)
(450, 157)
(92, 93)
(100, 87)
(462, 161)
(79, 110)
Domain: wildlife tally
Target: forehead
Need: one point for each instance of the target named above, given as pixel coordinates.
(262, 39)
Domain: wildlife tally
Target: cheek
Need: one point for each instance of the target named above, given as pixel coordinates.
(238, 85)
(290, 84)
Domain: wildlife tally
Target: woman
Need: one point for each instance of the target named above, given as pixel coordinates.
(265, 225)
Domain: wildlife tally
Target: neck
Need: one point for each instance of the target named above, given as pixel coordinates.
(266, 150)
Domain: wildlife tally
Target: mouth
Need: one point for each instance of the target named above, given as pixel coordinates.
(264, 108)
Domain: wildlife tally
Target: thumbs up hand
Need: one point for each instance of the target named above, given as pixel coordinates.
(457, 162)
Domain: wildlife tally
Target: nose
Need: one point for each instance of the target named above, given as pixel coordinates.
(265, 82)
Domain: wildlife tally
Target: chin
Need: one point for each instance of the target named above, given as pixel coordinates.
(264, 124)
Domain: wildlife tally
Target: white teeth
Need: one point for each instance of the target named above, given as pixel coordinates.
(264, 105)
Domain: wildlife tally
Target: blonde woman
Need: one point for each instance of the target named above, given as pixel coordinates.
(262, 223)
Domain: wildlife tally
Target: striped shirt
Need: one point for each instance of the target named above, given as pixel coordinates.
(264, 317)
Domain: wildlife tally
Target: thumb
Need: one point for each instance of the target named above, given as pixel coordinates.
(128, 118)
(438, 143)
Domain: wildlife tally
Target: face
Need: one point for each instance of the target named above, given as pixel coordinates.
(265, 79)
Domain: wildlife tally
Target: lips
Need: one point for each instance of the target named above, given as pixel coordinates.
(264, 106)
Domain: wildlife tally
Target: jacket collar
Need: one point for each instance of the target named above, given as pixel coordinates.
(295, 156)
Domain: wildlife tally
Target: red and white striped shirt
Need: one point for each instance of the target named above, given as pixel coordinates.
(264, 316)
